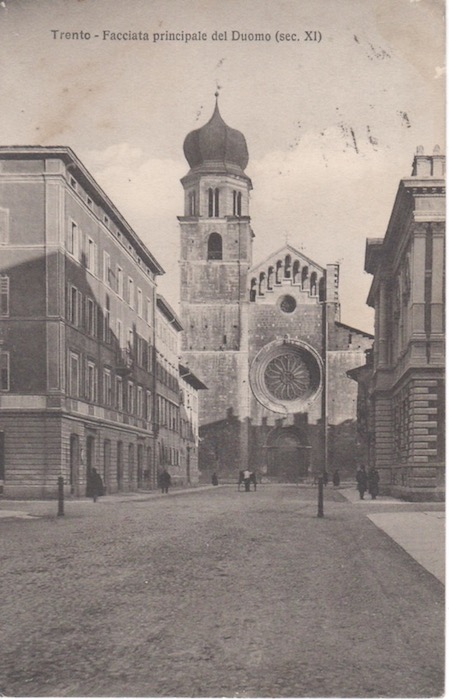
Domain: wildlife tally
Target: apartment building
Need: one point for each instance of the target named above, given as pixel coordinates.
(77, 332)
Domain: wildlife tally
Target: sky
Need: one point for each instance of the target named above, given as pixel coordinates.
(332, 119)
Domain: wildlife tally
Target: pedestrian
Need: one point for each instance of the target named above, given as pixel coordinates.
(95, 485)
(246, 479)
(241, 479)
(214, 479)
(164, 480)
(253, 480)
(325, 478)
(336, 478)
(373, 482)
(362, 481)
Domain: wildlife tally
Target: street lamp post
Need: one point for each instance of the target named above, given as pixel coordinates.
(320, 513)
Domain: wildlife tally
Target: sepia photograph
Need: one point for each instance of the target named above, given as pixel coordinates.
(222, 348)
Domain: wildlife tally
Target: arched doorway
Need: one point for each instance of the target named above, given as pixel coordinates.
(90, 460)
(287, 456)
(106, 463)
(74, 463)
(119, 465)
(140, 466)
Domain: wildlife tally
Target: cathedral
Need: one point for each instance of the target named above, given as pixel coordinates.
(266, 338)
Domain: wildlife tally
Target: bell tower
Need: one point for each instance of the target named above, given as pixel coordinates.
(216, 254)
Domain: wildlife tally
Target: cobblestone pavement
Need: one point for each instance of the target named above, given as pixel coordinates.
(215, 593)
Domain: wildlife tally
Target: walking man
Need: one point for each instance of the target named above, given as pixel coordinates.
(164, 480)
(362, 481)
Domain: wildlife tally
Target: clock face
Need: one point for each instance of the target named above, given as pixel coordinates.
(286, 376)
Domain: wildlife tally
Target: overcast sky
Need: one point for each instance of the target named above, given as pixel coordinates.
(331, 126)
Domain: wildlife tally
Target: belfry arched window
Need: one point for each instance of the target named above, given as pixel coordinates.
(262, 283)
(313, 288)
(215, 247)
(213, 195)
(270, 277)
(236, 203)
(287, 266)
(192, 203)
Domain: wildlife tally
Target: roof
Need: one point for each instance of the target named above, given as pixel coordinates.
(216, 142)
(354, 330)
(191, 378)
(168, 312)
(83, 176)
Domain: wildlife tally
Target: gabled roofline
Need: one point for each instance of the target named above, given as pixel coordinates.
(290, 248)
(84, 177)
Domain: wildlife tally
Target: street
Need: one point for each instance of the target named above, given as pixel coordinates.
(215, 593)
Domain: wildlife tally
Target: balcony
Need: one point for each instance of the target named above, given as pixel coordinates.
(124, 362)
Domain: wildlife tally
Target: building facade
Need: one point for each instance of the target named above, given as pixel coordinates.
(266, 339)
(189, 399)
(168, 327)
(77, 332)
(404, 381)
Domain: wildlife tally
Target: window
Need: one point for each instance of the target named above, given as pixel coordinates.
(74, 374)
(4, 371)
(120, 281)
(107, 387)
(215, 247)
(107, 322)
(106, 268)
(73, 242)
(4, 295)
(139, 401)
(192, 203)
(304, 277)
(139, 303)
(236, 203)
(130, 397)
(4, 225)
(91, 257)
(213, 202)
(149, 315)
(91, 382)
(130, 340)
(90, 321)
(131, 292)
(119, 333)
(119, 393)
(73, 306)
(149, 405)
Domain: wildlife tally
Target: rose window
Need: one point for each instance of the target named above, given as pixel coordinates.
(288, 304)
(286, 375)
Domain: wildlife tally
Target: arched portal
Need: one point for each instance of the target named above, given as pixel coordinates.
(287, 456)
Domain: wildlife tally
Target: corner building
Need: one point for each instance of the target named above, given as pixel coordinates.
(267, 339)
(404, 382)
(77, 332)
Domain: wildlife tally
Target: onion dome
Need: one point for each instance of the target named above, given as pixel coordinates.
(214, 143)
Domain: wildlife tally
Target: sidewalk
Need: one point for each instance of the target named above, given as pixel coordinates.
(420, 533)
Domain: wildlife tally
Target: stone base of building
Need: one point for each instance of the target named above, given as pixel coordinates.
(416, 495)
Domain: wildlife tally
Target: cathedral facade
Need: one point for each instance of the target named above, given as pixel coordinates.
(266, 339)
